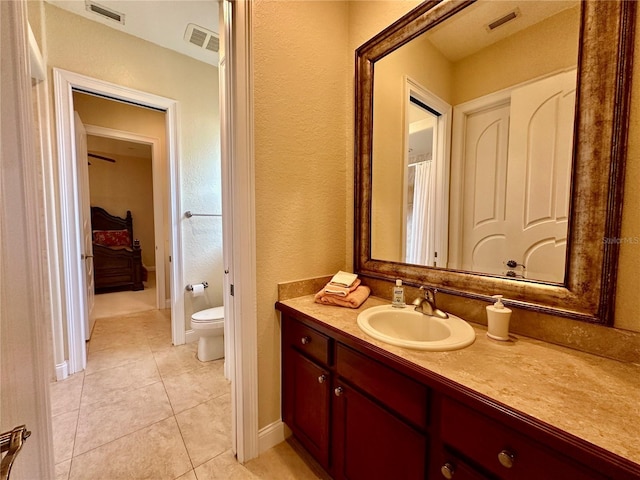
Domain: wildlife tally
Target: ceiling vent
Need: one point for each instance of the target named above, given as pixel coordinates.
(202, 37)
(104, 12)
(503, 20)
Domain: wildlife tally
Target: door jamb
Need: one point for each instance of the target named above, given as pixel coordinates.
(64, 83)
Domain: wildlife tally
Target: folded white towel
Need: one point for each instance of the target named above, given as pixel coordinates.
(331, 289)
(343, 279)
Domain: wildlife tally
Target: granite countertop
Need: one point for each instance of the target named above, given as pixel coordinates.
(591, 397)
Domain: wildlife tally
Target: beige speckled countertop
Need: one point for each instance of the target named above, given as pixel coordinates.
(591, 397)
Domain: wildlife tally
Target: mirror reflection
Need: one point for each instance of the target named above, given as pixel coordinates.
(472, 142)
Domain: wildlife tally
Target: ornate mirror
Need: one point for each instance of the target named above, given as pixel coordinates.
(490, 149)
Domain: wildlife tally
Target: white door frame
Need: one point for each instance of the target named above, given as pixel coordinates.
(238, 203)
(412, 88)
(64, 83)
(158, 198)
(23, 309)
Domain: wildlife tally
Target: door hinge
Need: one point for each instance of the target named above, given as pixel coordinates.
(231, 289)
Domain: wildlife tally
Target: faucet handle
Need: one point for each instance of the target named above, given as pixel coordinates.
(429, 293)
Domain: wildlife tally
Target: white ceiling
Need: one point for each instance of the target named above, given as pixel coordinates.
(466, 32)
(162, 22)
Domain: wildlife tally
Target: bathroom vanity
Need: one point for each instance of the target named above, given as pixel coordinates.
(521, 410)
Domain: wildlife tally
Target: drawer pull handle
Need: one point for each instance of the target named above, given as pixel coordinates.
(338, 391)
(322, 378)
(447, 470)
(506, 458)
(305, 340)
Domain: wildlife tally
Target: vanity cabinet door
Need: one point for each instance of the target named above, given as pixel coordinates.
(371, 443)
(306, 402)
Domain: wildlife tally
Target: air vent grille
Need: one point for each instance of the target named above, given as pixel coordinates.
(502, 20)
(213, 44)
(198, 37)
(202, 37)
(104, 12)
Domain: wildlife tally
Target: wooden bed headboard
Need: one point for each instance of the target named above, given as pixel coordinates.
(103, 220)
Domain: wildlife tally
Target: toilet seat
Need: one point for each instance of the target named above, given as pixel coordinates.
(210, 315)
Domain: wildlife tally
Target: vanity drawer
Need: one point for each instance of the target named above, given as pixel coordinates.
(307, 340)
(408, 398)
(494, 447)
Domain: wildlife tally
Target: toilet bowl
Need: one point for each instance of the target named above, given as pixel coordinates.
(209, 324)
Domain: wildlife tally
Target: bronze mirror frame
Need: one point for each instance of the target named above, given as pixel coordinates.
(602, 111)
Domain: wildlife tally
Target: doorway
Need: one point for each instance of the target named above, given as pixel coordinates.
(66, 83)
(121, 173)
(130, 176)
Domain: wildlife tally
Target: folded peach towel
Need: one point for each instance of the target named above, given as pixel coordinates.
(331, 289)
(352, 300)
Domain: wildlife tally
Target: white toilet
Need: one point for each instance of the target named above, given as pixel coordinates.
(209, 324)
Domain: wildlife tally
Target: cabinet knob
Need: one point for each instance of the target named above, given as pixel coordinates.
(447, 470)
(322, 378)
(506, 458)
(338, 391)
(305, 340)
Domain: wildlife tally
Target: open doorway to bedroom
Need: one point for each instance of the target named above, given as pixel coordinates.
(127, 165)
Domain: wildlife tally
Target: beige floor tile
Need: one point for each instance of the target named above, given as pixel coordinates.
(102, 422)
(65, 394)
(177, 360)
(206, 429)
(224, 467)
(188, 476)
(196, 386)
(159, 342)
(64, 432)
(117, 356)
(282, 463)
(155, 452)
(62, 470)
(111, 384)
(116, 339)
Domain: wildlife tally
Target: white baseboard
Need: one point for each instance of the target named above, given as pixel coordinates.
(62, 371)
(271, 435)
(191, 336)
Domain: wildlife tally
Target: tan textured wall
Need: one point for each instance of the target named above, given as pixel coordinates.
(423, 63)
(91, 49)
(366, 19)
(628, 287)
(128, 183)
(300, 66)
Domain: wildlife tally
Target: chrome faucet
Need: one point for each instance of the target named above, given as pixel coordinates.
(427, 304)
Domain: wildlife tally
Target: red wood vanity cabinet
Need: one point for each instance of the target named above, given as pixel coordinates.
(363, 413)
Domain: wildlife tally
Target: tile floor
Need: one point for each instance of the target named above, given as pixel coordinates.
(144, 409)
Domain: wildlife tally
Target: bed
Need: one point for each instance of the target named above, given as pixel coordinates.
(117, 257)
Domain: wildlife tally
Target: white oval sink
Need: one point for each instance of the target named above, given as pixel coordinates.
(405, 327)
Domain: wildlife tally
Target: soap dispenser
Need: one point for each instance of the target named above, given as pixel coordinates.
(398, 295)
(498, 317)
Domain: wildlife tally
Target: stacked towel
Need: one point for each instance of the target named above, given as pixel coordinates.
(344, 290)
